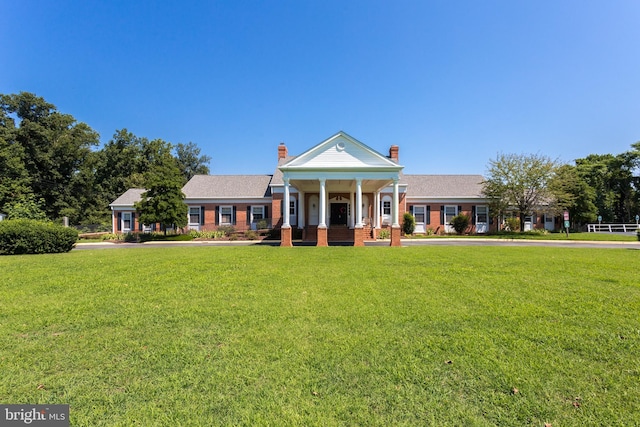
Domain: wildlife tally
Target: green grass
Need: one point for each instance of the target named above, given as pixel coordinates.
(325, 336)
(594, 237)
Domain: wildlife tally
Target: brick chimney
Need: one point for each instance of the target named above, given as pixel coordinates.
(393, 153)
(282, 151)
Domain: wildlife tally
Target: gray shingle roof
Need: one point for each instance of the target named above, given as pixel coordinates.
(129, 197)
(228, 186)
(447, 186)
(277, 175)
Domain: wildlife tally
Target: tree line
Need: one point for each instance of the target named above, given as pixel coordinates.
(52, 166)
(599, 185)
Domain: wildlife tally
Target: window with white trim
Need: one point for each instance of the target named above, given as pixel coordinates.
(449, 213)
(194, 216)
(257, 213)
(226, 215)
(126, 221)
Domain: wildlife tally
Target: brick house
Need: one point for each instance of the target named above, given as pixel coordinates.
(338, 190)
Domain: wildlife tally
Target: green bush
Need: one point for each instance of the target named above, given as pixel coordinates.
(27, 236)
(384, 233)
(408, 224)
(513, 224)
(228, 230)
(251, 235)
(460, 223)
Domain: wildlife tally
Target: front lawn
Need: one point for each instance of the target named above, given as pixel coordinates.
(325, 336)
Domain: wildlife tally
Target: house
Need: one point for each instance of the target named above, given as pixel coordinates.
(338, 190)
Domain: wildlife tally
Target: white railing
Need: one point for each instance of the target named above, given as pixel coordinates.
(612, 228)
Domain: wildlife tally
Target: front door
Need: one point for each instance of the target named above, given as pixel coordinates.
(338, 214)
(482, 219)
(418, 213)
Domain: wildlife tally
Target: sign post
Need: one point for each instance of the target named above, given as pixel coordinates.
(566, 222)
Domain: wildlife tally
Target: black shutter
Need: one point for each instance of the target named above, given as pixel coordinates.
(428, 214)
(233, 219)
(217, 221)
(248, 215)
(201, 215)
(119, 221)
(132, 227)
(473, 214)
(459, 210)
(442, 215)
(266, 213)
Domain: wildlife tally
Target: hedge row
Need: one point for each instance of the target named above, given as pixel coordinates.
(25, 236)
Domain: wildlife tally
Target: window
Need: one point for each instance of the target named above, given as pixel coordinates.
(418, 213)
(386, 207)
(482, 214)
(257, 213)
(226, 215)
(126, 221)
(449, 213)
(292, 207)
(194, 216)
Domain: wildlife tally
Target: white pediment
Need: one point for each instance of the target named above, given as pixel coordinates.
(341, 151)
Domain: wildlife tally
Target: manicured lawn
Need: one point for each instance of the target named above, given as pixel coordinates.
(325, 336)
(594, 237)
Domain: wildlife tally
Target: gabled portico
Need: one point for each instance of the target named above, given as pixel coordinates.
(338, 184)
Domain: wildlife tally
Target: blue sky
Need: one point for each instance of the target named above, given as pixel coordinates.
(453, 83)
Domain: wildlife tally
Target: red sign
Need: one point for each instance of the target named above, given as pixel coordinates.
(566, 215)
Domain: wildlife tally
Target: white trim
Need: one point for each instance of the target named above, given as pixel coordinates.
(230, 207)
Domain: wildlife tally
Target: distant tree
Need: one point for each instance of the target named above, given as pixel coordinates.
(573, 194)
(612, 178)
(190, 161)
(520, 182)
(26, 207)
(163, 201)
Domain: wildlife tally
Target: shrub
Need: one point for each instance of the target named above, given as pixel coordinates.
(512, 224)
(408, 224)
(429, 231)
(460, 223)
(262, 224)
(384, 234)
(228, 230)
(251, 235)
(26, 236)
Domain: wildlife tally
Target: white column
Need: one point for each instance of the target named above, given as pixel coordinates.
(396, 202)
(376, 210)
(352, 219)
(359, 202)
(301, 209)
(285, 208)
(323, 204)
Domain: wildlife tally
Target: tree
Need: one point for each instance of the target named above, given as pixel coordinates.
(572, 193)
(26, 207)
(519, 182)
(190, 161)
(163, 201)
(46, 149)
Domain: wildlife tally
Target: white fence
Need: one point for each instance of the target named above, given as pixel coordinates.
(612, 228)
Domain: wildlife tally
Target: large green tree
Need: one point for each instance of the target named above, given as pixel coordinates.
(573, 194)
(44, 150)
(613, 179)
(163, 200)
(190, 161)
(520, 182)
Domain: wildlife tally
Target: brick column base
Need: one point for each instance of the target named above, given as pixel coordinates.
(395, 236)
(285, 237)
(358, 236)
(322, 237)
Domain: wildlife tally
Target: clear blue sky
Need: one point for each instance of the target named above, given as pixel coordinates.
(453, 83)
